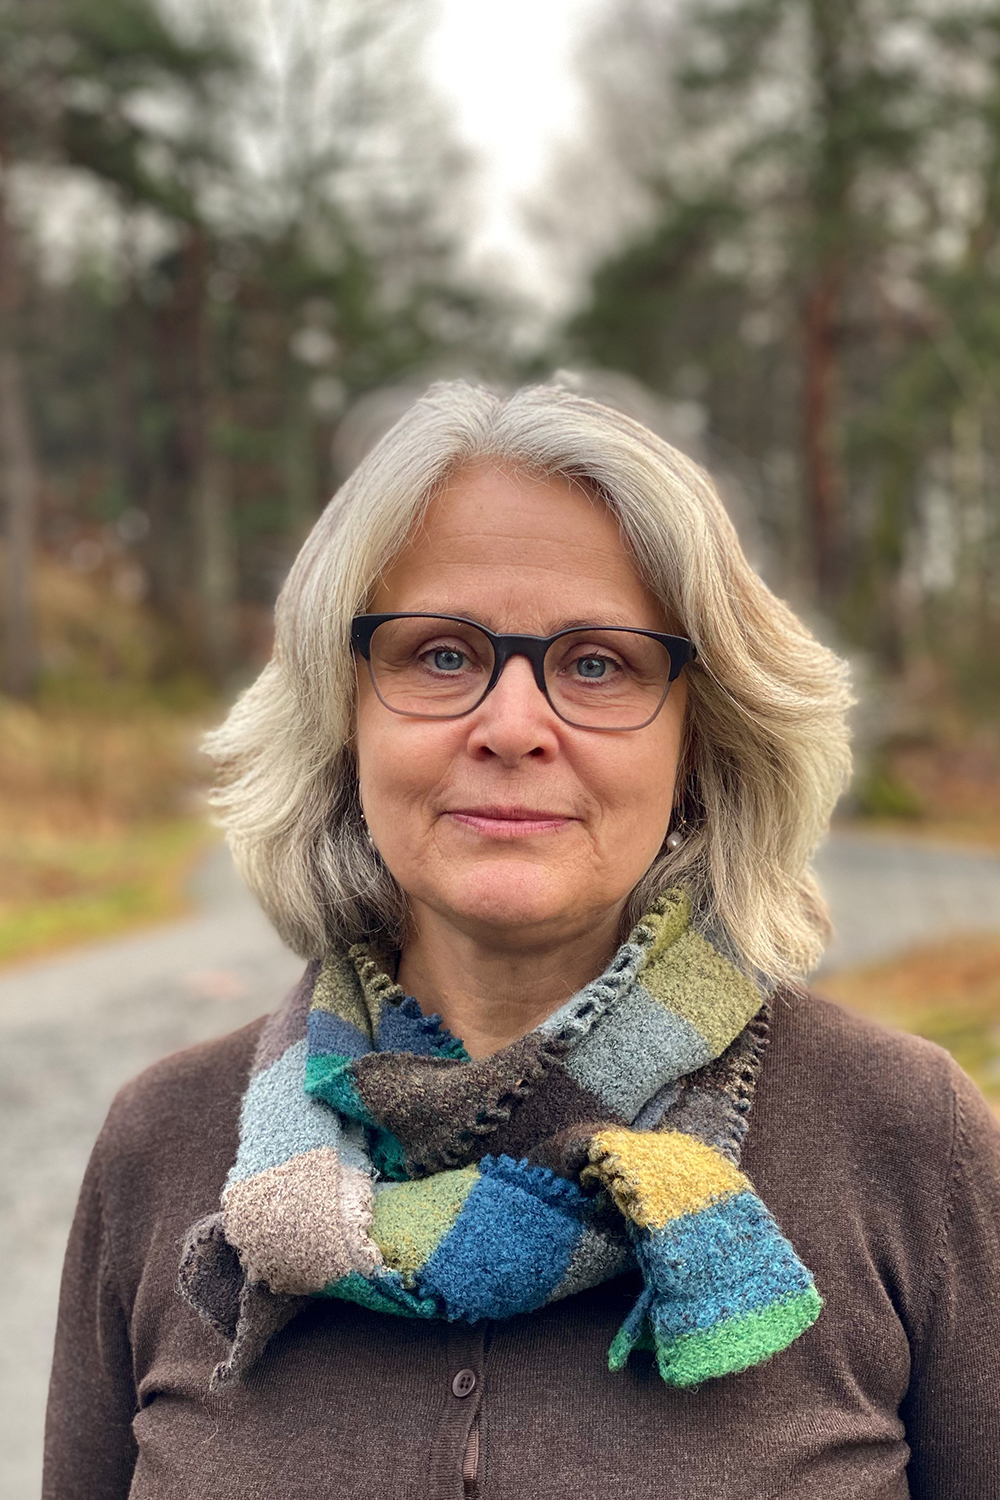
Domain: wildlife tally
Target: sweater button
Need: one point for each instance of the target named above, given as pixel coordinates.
(464, 1383)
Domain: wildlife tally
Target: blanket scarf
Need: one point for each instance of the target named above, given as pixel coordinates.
(378, 1162)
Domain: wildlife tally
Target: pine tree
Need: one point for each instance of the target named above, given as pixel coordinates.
(785, 125)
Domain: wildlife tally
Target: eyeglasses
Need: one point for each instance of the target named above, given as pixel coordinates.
(442, 667)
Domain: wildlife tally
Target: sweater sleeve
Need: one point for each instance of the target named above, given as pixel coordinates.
(952, 1412)
(90, 1451)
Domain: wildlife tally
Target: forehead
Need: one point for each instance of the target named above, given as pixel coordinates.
(518, 551)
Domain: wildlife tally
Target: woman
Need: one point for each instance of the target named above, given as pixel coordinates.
(508, 1199)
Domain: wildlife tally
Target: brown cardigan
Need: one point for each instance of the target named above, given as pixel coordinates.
(880, 1161)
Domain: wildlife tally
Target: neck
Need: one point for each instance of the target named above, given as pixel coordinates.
(491, 990)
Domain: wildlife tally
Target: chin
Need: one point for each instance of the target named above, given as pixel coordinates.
(513, 896)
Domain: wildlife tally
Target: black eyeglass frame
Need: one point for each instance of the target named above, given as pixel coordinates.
(680, 650)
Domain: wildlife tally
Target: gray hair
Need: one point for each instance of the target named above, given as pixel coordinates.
(766, 746)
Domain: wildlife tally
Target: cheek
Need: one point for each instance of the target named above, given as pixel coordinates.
(399, 763)
(637, 796)
(635, 782)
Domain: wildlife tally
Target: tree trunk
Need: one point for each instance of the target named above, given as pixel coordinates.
(832, 24)
(20, 484)
(216, 561)
(18, 477)
(199, 416)
(128, 448)
(299, 469)
(969, 479)
(822, 467)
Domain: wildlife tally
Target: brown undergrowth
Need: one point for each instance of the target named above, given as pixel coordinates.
(943, 787)
(948, 992)
(100, 815)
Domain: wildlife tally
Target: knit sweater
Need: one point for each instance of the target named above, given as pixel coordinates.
(876, 1153)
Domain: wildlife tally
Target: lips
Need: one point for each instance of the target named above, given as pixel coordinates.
(510, 821)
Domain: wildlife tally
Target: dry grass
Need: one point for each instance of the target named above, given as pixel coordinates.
(948, 992)
(99, 825)
(66, 770)
(100, 818)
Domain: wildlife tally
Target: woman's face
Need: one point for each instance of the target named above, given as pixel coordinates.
(509, 824)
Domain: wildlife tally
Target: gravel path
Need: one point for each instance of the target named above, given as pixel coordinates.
(73, 1029)
(888, 894)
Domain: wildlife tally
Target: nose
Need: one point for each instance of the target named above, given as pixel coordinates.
(514, 720)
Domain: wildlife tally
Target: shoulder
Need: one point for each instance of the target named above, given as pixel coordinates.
(881, 1161)
(189, 1090)
(867, 1074)
(171, 1133)
(878, 1111)
(806, 1021)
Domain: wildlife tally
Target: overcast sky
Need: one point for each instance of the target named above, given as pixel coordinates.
(506, 66)
(506, 69)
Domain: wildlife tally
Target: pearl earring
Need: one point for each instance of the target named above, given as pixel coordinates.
(364, 820)
(674, 841)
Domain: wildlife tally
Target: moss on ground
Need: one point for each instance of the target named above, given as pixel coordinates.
(59, 890)
(100, 821)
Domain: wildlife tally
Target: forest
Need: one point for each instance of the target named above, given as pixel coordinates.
(222, 225)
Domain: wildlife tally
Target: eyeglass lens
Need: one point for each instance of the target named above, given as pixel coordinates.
(596, 679)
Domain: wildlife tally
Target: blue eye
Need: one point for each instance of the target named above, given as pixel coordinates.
(446, 659)
(592, 666)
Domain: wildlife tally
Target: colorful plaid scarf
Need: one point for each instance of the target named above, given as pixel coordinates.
(379, 1163)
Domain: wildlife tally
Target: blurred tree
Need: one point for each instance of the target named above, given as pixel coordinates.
(783, 127)
(18, 469)
(962, 343)
(73, 77)
(21, 60)
(279, 197)
(927, 437)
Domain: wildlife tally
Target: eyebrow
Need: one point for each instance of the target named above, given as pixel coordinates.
(592, 623)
